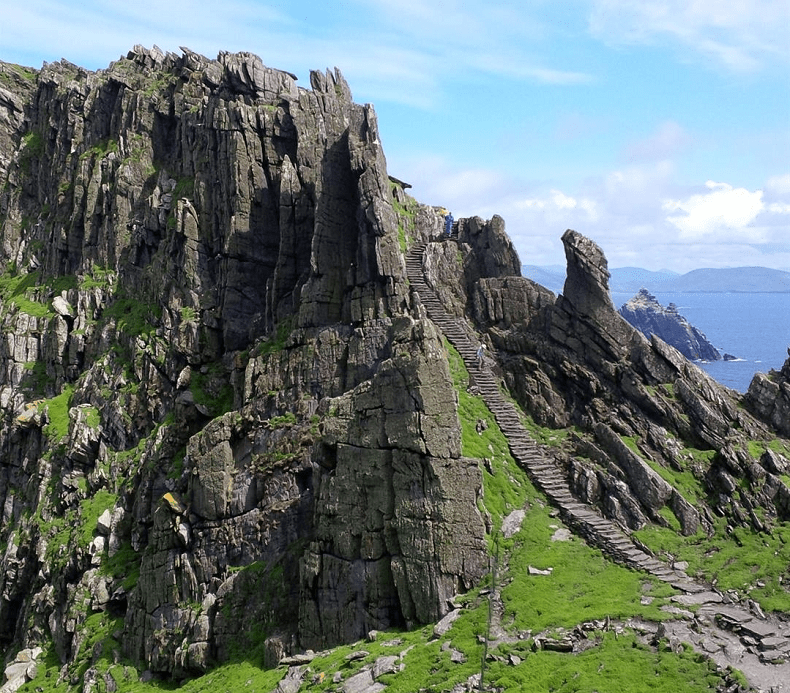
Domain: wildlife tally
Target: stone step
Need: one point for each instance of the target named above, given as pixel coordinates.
(523, 447)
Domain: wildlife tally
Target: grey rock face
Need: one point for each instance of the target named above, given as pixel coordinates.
(769, 397)
(576, 360)
(208, 339)
(648, 316)
(210, 350)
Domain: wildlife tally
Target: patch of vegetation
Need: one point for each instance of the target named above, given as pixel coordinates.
(188, 314)
(554, 437)
(134, 318)
(185, 187)
(97, 277)
(90, 511)
(212, 390)
(37, 379)
(406, 218)
(508, 488)
(684, 481)
(8, 69)
(288, 419)
(177, 464)
(15, 289)
(101, 149)
(125, 564)
(583, 585)
(615, 663)
(58, 414)
(33, 146)
(782, 447)
(276, 343)
(738, 559)
(92, 417)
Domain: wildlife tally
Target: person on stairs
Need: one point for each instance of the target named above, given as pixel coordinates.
(448, 224)
(481, 350)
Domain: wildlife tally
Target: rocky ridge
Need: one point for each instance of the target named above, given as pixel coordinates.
(205, 321)
(229, 420)
(648, 316)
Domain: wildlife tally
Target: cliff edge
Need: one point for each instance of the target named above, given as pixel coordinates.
(228, 423)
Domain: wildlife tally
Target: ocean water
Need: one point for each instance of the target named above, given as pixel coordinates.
(755, 327)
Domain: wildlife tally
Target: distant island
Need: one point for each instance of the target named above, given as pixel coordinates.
(631, 279)
(648, 316)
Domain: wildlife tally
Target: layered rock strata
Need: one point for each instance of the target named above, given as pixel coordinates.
(207, 333)
(648, 316)
(228, 422)
(643, 412)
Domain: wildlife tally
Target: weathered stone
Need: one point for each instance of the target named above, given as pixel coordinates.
(104, 523)
(446, 623)
(647, 315)
(276, 413)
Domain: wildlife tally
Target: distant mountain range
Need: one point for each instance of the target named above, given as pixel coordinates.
(631, 279)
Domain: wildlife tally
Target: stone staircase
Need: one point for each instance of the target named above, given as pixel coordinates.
(584, 519)
(731, 634)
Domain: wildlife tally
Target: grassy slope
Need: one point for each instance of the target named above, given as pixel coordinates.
(583, 586)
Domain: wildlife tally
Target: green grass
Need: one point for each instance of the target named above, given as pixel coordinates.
(614, 664)
(508, 488)
(97, 277)
(583, 585)
(58, 413)
(134, 318)
(212, 390)
(684, 481)
(15, 289)
(101, 148)
(25, 73)
(554, 437)
(276, 342)
(32, 144)
(124, 563)
(737, 560)
(90, 510)
(406, 215)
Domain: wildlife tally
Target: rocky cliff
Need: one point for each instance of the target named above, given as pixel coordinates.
(228, 422)
(648, 316)
(208, 335)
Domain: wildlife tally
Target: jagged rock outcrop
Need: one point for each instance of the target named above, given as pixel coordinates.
(207, 333)
(574, 360)
(648, 316)
(768, 397)
(228, 422)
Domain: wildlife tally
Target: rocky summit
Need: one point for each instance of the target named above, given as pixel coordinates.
(648, 316)
(245, 420)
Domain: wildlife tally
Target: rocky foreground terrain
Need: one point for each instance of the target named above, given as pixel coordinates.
(246, 443)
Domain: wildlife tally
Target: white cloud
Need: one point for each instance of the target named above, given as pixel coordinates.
(667, 141)
(778, 185)
(637, 214)
(739, 34)
(721, 211)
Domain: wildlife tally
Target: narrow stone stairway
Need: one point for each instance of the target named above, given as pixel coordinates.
(736, 634)
(583, 518)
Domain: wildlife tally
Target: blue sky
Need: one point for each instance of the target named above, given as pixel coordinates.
(660, 129)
